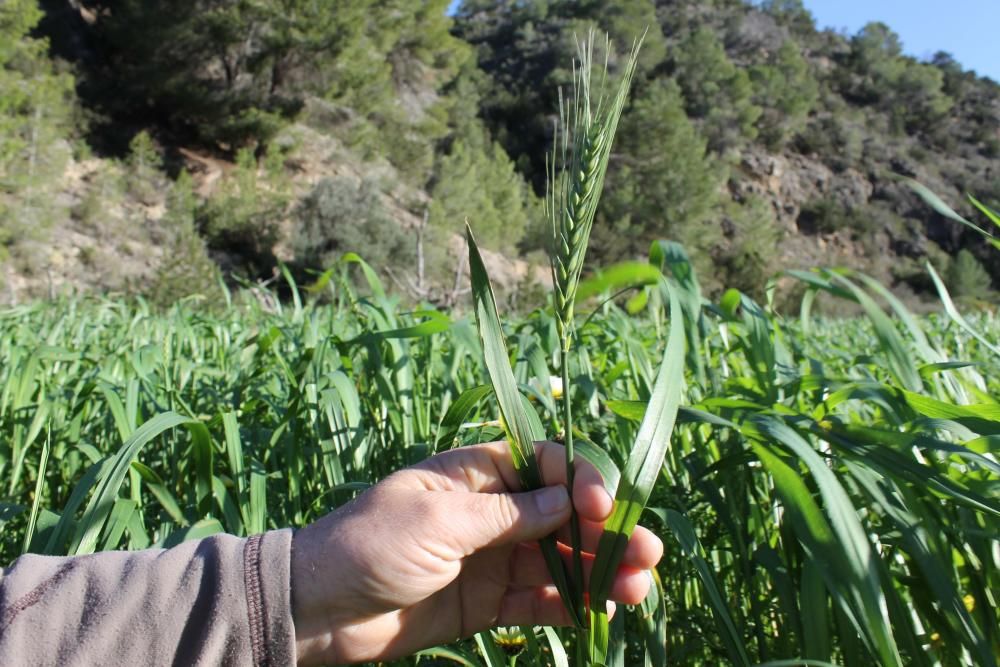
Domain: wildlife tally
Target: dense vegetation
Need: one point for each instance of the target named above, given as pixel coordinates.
(323, 125)
(823, 500)
(828, 494)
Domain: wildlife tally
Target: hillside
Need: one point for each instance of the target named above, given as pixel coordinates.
(146, 150)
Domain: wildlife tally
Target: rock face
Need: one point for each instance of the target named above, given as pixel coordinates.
(106, 240)
(98, 242)
(790, 181)
(798, 188)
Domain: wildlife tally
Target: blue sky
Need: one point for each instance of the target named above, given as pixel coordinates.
(968, 29)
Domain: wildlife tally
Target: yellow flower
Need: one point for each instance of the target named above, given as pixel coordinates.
(510, 640)
(555, 384)
(970, 603)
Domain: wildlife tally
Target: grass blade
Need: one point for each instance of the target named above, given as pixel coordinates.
(938, 205)
(684, 532)
(512, 410)
(842, 543)
(102, 502)
(458, 413)
(901, 363)
(43, 463)
(640, 474)
(492, 655)
(949, 307)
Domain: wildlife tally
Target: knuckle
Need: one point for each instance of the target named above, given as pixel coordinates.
(504, 513)
(427, 508)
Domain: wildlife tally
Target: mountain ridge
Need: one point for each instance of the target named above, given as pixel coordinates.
(758, 140)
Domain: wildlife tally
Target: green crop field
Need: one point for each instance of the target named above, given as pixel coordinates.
(829, 492)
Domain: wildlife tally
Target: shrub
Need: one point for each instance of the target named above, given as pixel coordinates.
(342, 215)
(966, 277)
(242, 220)
(186, 268)
(838, 139)
(104, 195)
(748, 254)
(827, 215)
(144, 180)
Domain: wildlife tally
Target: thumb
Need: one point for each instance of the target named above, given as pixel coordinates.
(495, 519)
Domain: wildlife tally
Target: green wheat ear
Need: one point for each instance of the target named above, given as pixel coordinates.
(580, 154)
(582, 147)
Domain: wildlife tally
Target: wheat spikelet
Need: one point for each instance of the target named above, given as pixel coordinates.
(583, 145)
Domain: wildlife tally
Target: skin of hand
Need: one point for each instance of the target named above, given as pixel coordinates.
(445, 549)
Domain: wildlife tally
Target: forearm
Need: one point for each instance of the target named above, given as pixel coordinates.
(220, 600)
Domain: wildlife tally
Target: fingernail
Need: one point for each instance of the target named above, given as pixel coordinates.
(552, 500)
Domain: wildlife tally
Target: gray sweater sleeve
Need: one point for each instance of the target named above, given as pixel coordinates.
(219, 600)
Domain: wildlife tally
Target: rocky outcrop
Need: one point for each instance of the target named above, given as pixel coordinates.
(105, 240)
(98, 242)
(789, 181)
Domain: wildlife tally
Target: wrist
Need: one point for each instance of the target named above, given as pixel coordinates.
(314, 587)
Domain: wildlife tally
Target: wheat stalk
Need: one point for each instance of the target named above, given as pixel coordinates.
(582, 147)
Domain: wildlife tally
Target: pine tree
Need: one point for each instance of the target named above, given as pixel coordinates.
(966, 277)
(786, 91)
(791, 13)
(185, 268)
(36, 104)
(231, 70)
(477, 181)
(665, 183)
(912, 93)
(144, 178)
(528, 47)
(717, 92)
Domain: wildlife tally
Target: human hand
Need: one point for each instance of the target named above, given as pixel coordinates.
(445, 549)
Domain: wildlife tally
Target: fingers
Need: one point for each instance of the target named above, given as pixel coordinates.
(590, 497)
(468, 522)
(536, 606)
(485, 468)
(488, 468)
(533, 606)
(644, 548)
(528, 569)
(643, 551)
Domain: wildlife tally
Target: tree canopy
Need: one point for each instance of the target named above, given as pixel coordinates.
(730, 99)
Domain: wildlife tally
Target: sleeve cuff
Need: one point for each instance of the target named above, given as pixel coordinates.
(267, 577)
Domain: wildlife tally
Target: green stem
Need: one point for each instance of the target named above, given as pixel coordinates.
(574, 520)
